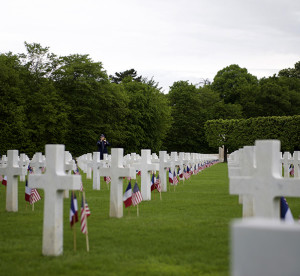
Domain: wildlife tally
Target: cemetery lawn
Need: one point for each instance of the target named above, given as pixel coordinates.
(185, 233)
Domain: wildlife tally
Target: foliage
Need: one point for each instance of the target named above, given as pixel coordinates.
(71, 100)
(235, 134)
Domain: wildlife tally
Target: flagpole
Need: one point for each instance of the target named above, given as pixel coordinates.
(137, 210)
(32, 206)
(85, 217)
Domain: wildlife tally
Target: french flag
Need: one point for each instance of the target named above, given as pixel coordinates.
(127, 197)
(4, 180)
(153, 180)
(73, 210)
(27, 192)
(170, 176)
(285, 211)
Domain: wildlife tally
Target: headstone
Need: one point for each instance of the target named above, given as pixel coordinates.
(12, 171)
(37, 163)
(164, 163)
(96, 165)
(54, 182)
(146, 167)
(89, 161)
(23, 163)
(265, 247)
(266, 183)
(286, 162)
(296, 163)
(116, 173)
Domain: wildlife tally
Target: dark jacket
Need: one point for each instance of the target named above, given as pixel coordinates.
(102, 147)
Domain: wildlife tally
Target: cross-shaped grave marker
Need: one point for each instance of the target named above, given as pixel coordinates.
(95, 164)
(163, 165)
(116, 173)
(23, 163)
(266, 183)
(12, 171)
(54, 182)
(37, 163)
(146, 167)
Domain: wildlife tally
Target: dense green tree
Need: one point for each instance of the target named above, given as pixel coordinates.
(291, 72)
(14, 133)
(232, 82)
(130, 74)
(149, 118)
(81, 82)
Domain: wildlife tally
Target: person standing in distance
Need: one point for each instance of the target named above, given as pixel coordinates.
(102, 145)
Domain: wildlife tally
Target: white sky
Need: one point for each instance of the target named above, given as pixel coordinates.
(169, 40)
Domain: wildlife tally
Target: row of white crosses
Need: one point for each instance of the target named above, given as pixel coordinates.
(262, 244)
(287, 160)
(256, 174)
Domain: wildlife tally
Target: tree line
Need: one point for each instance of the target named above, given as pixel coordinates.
(71, 100)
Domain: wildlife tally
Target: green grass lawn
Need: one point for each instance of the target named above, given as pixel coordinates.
(185, 233)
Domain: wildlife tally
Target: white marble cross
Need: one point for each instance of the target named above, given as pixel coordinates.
(146, 167)
(54, 182)
(23, 163)
(286, 162)
(296, 163)
(163, 165)
(116, 173)
(89, 161)
(12, 171)
(266, 183)
(37, 163)
(95, 164)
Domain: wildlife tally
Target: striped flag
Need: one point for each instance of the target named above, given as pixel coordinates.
(136, 195)
(73, 210)
(175, 179)
(85, 212)
(107, 179)
(157, 183)
(127, 197)
(34, 196)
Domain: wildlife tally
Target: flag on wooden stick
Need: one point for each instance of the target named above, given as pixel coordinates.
(85, 212)
(136, 195)
(73, 209)
(127, 197)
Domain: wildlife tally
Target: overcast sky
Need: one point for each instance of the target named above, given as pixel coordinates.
(169, 40)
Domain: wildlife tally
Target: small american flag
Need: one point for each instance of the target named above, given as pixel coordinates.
(34, 196)
(157, 183)
(107, 179)
(136, 195)
(175, 179)
(85, 212)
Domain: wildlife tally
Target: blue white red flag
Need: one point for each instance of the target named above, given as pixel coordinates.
(73, 210)
(4, 180)
(127, 197)
(153, 187)
(285, 211)
(27, 192)
(170, 177)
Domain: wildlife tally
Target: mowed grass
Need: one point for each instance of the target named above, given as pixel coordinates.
(185, 233)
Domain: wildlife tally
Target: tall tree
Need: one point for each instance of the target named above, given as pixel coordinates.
(130, 74)
(231, 81)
